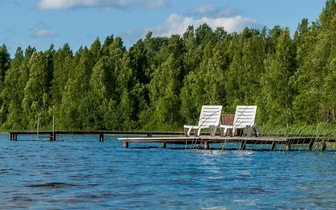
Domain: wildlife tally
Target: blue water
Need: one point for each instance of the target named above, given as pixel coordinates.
(82, 173)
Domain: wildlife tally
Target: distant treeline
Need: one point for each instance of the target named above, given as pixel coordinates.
(160, 83)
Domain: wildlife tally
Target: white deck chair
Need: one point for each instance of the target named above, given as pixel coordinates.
(209, 118)
(244, 119)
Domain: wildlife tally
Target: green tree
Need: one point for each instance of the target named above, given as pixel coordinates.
(74, 101)
(277, 86)
(98, 95)
(167, 81)
(11, 111)
(36, 92)
(243, 78)
(4, 62)
(62, 66)
(140, 79)
(96, 50)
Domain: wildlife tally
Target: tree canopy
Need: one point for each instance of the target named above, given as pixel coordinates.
(160, 83)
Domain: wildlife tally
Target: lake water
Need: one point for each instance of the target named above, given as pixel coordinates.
(80, 172)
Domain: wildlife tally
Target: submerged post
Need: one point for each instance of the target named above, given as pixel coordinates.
(125, 144)
(38, 127)
(273, 146)
(311, 144)
(206, 145)
(288, 146)
(164, 145)
(243, 145)
(12, 136)
(52, 135)
(101, 137)
(324, 146)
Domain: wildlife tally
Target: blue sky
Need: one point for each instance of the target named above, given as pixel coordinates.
(40, 23)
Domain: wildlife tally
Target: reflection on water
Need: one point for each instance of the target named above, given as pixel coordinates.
(81, 172)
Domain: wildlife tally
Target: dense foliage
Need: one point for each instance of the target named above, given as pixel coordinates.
(160, 83)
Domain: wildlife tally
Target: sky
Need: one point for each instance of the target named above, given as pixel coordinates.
(41, 23)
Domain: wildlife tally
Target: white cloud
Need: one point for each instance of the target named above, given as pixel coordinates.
(155, 4)
(66, 4)
(227, 12)
(127, 33)
(45, 33)
(203, 9)
(178, 24)
(211, 10)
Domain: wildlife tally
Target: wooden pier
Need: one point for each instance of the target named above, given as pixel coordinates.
(13, 135)
(205, 141)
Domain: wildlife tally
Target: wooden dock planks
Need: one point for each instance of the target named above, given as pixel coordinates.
(243, 140)
(177, 138)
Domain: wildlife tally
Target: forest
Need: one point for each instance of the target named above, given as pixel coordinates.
(160, 83)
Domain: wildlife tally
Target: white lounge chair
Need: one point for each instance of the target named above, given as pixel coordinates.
(244, 119)
(209, 118)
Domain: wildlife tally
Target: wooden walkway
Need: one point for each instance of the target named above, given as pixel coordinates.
(53, 134)
(242, 140)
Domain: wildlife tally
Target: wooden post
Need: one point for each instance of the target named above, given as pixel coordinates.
(10, 136)
(53, 129)
(206, 145)
(38, 127)
(164, 144)
(239, 132)
(125, 144)
(273, 146)
(52, 137)
(101, 137)
(311, 144)
(288, 146)
(324, 146)
(243, 145)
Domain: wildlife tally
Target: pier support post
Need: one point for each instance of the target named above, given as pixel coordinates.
(52, 137)
(101, 137)
(324, 146)
(273, 146)
(164, 145)
(311, 144)
(125, 144)
(288, 146)
(206, 145)
(243, 145)
(13, 136)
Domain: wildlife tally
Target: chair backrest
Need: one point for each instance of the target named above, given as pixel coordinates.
(245, 115)
(210, 115)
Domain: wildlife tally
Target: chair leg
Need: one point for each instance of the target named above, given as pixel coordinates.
(187, 132)
(248, 130)
(212, 130)
(197, 132)
(221, 132)
(257, 130)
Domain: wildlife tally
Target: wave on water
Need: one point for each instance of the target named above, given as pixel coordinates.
(51, 185)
